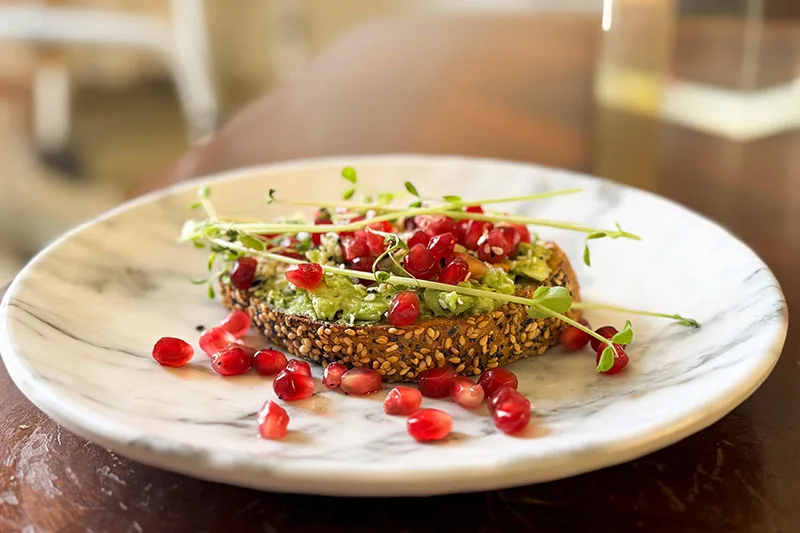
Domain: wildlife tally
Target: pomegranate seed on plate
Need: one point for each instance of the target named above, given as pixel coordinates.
(305, 275)
(268, 362)
(231, 361)
(466, 392)
(355, 247)
(506, 394)
(272, 421)
(420, 263)
(237, 323)
(493, 247)
(605, 332)
(442, 246)
(404, 309)
(494, 378)
(170, 351)
(511, 416)
(454, 272)
(402, 401)
(243, 272)
(361, 381)
(435, 382)
(473, 231)
(573, 339)
(435, 224)
(513, 238)
(216, 339)
(419, 237)
(620, 358)
(291, 386)
(429, 425)
(332, 375)
(296, 365)
(474, 209)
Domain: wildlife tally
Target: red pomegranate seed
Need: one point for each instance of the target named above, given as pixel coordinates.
(524, 233)
(454, 272)
(442, 246)
(505, 394)
(296, 365)
(243, 272)
(573, 339)
(474, 230)
(289, 245)
(404, 309)
(511, 416)
(409, 224)
(606, 332)
(291, 386)
(435, 382)
(216, 339)
(419, 237)
(513, 238)
(494, 378)
(268, 362)
(474, 209)
(316, 238)
(305, 275)
(332, 375)
(237, 323)
(272, 421)
(620, 358)
(420, 263)
(466, 392)
(231, 361)
(492, 247)
(355, 247)
(360, 381)
(169, 351)
(362, 264)
(435, 224)
(429, 425)
(402, 401)
(376, 243)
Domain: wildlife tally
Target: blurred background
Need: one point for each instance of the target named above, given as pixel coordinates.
(99, 95)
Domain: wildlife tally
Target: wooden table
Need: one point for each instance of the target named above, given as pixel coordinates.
(522, 90)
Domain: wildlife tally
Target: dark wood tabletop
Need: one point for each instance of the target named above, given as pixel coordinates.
(514, 87)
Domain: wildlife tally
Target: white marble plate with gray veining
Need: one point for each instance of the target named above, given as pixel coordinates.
(78, 325)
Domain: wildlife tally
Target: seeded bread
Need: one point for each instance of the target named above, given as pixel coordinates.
(470, 344)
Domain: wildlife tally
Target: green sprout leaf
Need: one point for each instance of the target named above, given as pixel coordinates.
(411, 189)
(686, 321)
(211, 293)
(415, 204)
(587, 260)
(556, 299)
(596, 235)
(211, 259)
(625, 336)
(348, 194)
(196, 205)
(198, 281)
(606, 360)
(204, 191)
(252, 242)
(271, 197)
(385, 198)
(452, 198)
(349, 173)
(382, 275)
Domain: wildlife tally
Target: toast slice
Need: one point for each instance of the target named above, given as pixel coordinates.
(470, 344)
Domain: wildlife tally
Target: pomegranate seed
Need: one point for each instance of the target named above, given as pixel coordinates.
(574, 339)
(296, 365)
(231, 361)
(237, 323)
(361, 381)
(243, 272)
(357, 218)
(420, 263)
(419, 237)
(494, 378)
(524, 234)
(404, 309)
(169, 351)
(606, 332)
(435, 382)
(513, 238)
(332, 375)
(316, 238)
(355, 247)
(474, 209)
(272, 421)
(506, 394)
(466, 392)
(620, 358)
(473, 231)
(409, 224)
(268, 362)
(429, 424)
(216, 339)
(442, 246)
(305, 275)
(289, 245)
(435, 224)
(402, 401)
(511, 416)
(376, 243)
(362, 264)
(492, 247)
(454, 272)
(291, 386)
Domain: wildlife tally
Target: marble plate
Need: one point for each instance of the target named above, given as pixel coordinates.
(79, 322)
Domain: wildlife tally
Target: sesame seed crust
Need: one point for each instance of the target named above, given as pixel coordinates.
(469, 344)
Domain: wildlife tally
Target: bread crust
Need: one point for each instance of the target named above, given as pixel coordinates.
(469, 344)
